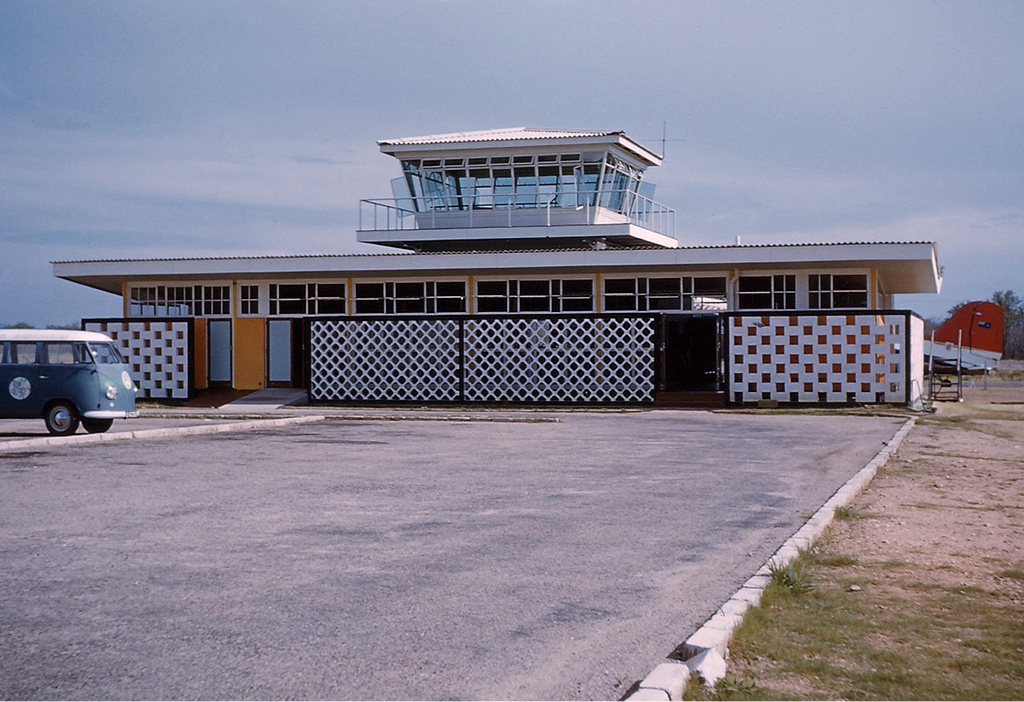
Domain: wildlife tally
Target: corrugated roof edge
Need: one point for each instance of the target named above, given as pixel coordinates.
(492, 252)
(502, 134)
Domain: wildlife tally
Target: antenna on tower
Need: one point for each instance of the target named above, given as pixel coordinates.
(663, 127)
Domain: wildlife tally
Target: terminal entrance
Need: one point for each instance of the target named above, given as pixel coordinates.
(690, 353)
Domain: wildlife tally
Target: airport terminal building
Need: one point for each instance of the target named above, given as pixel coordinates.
(527, 266)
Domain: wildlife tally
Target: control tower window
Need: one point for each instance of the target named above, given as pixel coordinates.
(522, 181)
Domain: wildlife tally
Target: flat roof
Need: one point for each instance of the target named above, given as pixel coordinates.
(508, 137)
(903, 267)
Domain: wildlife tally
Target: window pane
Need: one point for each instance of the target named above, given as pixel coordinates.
(533, 287)
(366, 291)
(408, 290)
(492, 287)
(850, 299)
(577, 304)
(104, 353)
(620, 285)
(709, 286)
(370, 306)
(756, 301)
(58, 352)
(577, 288)
(450, 304)
(849, 283)
(755, 284)
(451, 289)
(330, 306)
(492, 304)
(331, 290)
(663, 303)
(534, 304)
(23, 352)
(620, 303)
(369, 298)
(663, 286)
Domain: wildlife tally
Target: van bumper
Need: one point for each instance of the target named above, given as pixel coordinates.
(109, 414)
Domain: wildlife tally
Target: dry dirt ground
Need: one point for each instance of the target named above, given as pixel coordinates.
(943, 519)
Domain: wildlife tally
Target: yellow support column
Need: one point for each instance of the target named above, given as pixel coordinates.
(250, 353)
(249, 347)
(199, 368)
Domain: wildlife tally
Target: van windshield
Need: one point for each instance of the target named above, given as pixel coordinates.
(104, 353)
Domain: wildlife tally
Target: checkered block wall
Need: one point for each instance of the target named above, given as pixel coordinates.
(385, 360)
(601, 360)
(827, 358)
(156, 350)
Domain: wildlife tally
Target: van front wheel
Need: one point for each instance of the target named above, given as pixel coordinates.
(96, 426)
(61, 419)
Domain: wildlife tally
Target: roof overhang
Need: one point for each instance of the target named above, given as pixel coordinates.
(516, 138)
(901, 267)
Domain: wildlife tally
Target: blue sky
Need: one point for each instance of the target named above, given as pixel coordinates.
(154, 129)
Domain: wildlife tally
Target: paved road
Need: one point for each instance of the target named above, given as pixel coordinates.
(411, 559)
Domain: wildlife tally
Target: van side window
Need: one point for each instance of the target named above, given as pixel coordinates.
(22, 352)
(61, 352)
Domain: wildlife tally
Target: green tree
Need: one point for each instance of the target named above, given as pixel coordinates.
(1013, 322)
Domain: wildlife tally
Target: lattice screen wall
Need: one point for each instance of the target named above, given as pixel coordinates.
(156, 350)
(399, 359)
(831, 358)
(520, 359)
(603, 360)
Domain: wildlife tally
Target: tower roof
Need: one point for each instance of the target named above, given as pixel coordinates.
(509, 136)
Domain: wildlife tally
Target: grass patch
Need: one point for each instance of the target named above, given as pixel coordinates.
(827, 559)
(916, 641)
(846, 513)
(792, 576)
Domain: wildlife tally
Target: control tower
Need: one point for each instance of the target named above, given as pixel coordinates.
(518, 189)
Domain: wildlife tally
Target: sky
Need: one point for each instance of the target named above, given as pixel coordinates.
(142, 129)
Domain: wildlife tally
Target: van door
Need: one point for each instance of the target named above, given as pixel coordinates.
(66, 372)
(19, 381)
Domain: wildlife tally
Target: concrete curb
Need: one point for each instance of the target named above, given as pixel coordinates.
(706, 650)
(79, 439)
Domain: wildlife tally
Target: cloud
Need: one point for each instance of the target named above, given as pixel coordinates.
(196, 127)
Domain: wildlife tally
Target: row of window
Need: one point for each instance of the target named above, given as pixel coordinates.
(57, 353)
(180, 300)
(635, 294)
(524, 181)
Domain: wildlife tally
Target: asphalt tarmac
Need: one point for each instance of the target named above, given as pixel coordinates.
(397, 560)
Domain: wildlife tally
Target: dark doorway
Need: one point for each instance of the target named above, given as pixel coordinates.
(690, 352)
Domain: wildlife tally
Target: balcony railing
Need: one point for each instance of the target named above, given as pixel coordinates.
(516, 210)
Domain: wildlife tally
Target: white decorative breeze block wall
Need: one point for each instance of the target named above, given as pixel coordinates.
(384, 360)
(602, 360)
(916, 351)
(819, 358)
(506, 359)
(156, 350)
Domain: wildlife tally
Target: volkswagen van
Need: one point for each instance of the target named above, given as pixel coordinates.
(66, 378)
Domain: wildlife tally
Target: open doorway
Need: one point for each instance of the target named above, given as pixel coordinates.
(690, 353)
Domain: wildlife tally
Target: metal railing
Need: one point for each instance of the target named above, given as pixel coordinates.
(516, 210)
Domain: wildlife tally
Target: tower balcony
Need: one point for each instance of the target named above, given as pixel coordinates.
(563, 219)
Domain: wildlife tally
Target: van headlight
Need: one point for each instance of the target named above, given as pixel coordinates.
(111, 392)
